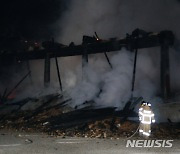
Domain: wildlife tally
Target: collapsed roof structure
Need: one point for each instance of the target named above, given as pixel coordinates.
(139, 39)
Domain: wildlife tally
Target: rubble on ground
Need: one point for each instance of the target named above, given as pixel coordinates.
(53, 115)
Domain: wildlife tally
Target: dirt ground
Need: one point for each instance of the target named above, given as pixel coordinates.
(107, 127)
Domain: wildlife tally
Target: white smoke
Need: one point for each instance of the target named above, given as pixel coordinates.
(117, 82)
(114, 19)
(110, 19)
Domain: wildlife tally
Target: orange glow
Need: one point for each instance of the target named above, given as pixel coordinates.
(12, 95)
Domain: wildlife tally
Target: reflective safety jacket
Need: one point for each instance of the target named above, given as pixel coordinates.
(146, 116)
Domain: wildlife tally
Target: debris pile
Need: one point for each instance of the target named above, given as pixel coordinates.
(53, 115)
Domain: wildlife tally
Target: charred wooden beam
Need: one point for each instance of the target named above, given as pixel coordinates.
(75, 118)
(86, 40)
(166, 41)
(47, 72)
(15, 87)
(99, 46)
(84, 58)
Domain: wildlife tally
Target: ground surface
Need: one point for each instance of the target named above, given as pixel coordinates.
(63, 129)
(53, 115)
(28, 143)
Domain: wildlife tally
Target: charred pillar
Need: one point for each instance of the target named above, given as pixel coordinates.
(47, 70)
(165, 76)
(84, 64)
(86, 40)
(84, 58)
(166, 40)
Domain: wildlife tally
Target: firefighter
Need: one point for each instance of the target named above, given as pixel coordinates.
(146, 117)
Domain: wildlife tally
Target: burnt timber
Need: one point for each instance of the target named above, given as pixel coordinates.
(139, 39)
(99, 46)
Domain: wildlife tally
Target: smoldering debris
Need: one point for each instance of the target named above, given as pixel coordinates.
(116, 18)
(111, 19)
(55, 116)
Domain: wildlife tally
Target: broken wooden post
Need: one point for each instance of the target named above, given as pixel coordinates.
(14, 88)
(85, 55)
(84, 64)
(84, 59)
(58, 73)
(165, 76)
(57, 67)
(47, 70)
(108, 60)
(166, 40)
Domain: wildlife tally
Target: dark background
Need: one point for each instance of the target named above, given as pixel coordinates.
(30, 19)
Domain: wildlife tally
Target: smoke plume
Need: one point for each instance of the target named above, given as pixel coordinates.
(114, 19)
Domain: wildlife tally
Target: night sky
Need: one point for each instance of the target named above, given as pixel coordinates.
(30, 19)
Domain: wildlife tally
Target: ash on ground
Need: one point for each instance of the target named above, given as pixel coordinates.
(53, 115)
